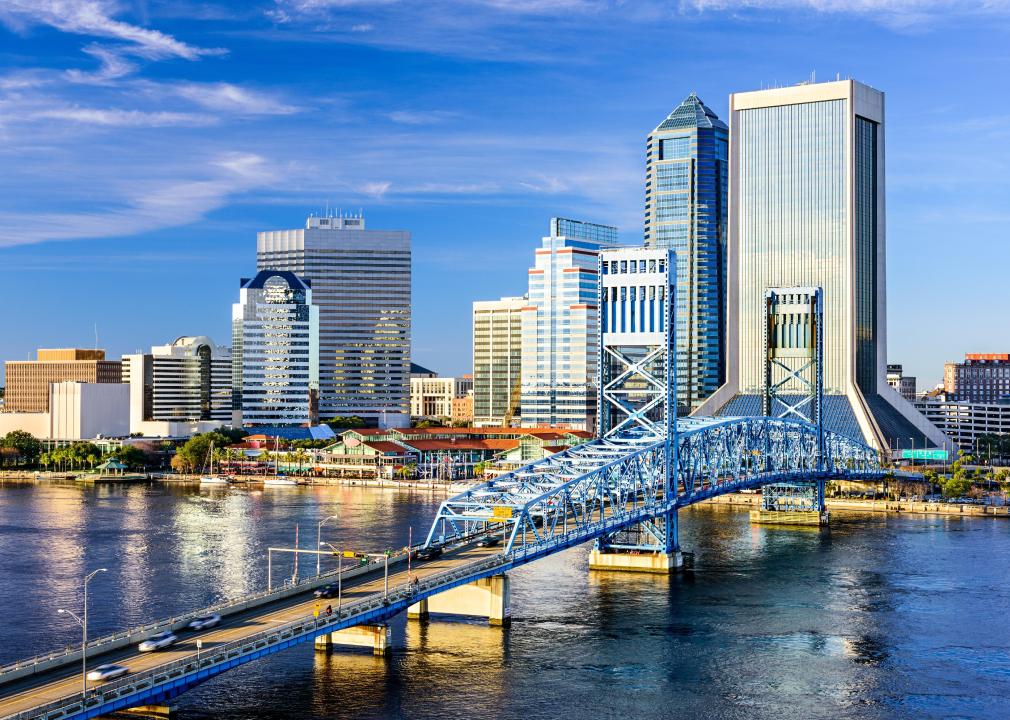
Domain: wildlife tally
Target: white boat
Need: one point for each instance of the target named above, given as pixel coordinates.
(211, 478)
(279, 482)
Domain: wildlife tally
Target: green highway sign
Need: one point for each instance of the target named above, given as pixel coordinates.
(930, 454)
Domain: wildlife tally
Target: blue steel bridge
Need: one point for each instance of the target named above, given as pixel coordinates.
(622, 492)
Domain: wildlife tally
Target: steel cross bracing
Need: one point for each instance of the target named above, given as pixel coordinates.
(604, 486)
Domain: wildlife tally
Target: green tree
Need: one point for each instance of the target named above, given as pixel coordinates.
(132, 457)
(192, 455)
(344, 422)
(957, 485)
(25, 446)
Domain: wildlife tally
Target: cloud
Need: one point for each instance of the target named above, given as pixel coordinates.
(151, 205)
(226, 97)
(897, 13)
(114, 117)
(421, 117)
(112, 66)
(375, 189)
(94, 18)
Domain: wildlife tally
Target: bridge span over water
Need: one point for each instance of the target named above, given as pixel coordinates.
(622, 491)
(613, 491)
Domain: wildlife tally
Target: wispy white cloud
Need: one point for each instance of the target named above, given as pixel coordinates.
(95, 18)
(230, 98)
(114, 117)
(895, 13)
(421, 117)
(151, 205)
(112, 66)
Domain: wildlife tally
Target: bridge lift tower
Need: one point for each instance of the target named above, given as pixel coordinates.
(793, 388)
(637, 389)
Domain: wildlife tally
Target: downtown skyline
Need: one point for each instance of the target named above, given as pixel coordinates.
(158, 168)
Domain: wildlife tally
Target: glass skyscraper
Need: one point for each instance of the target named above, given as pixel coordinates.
(560, 327)
(685, 211)
(361, 282)
(275, 351)
(807, 192)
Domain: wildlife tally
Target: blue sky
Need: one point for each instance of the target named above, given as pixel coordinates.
(143, 144)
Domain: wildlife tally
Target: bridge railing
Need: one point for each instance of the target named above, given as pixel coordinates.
(148, 681)
(228, 606)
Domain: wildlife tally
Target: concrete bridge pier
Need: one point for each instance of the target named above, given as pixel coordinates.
(366, 636)
(651, 547)
(485, 598)
(153, 712)
(795, 503)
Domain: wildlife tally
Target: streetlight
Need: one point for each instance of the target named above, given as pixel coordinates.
(340, 572)
(319, 537)
(84, 632)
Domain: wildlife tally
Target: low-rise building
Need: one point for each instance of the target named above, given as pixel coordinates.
(77, 411)
(432, 397)
(439, 453)
(462, 409)
(965, 422)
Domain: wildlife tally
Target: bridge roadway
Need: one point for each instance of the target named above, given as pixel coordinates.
(65, 681)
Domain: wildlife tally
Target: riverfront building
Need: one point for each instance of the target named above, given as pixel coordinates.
(981, 378)
(686, 169)
(275, 351)
(28, 381)
(179, 388)
(361, 283)
(560, 335)
(807, 211)
(497, 360)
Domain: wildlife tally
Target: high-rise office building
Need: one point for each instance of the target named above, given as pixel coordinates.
(807, 211)
(686, 168)
(560, 327)
(28, 381)
(187, 381)
(361, 282)
(275, 351)
(497, 361)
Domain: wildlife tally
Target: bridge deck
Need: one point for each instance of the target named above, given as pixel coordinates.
(31, 692)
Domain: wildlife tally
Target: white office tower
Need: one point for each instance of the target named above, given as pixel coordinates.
(806, 190)
(275, 351)
(361, 282)
(560, 330)
(497, 361)
(179, 388)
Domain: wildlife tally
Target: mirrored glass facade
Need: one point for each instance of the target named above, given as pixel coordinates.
(685, 211)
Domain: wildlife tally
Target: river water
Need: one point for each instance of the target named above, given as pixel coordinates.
(877, 617)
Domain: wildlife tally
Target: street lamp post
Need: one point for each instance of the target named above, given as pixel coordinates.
(319, 538)
(84, 631)
(340, 572)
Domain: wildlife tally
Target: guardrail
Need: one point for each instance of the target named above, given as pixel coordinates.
(119, 693)
(72, 653)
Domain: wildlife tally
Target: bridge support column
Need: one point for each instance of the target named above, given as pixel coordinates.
(792, 504)
(366, 636)
(487, 598)
(636, 561)
(155, 712)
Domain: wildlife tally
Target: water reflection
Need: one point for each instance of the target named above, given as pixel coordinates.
(876, 617)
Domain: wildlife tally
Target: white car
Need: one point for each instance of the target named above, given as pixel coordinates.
(205, 621)
(107, 672)
(157, 642)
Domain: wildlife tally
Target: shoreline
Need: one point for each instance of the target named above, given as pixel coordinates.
(893, 507)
